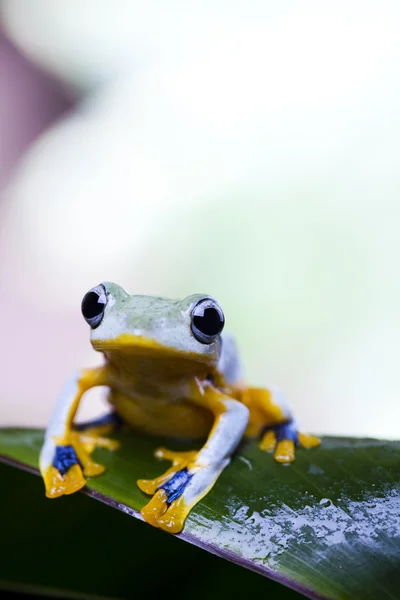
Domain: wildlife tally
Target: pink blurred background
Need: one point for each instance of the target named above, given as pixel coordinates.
(246, 151)
(30, 101)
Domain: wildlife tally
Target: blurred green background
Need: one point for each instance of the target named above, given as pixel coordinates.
(249, 151)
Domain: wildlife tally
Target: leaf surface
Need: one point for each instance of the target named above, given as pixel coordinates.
(327, 526)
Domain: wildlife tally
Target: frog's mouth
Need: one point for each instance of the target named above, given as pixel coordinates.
(144, 347)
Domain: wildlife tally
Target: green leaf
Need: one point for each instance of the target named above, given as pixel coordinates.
(327, 525)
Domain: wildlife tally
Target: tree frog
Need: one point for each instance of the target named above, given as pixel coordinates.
(169, 372)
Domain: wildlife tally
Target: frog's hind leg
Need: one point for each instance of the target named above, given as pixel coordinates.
(271, 417)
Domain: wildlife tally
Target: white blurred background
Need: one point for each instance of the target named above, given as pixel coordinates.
(248, 150)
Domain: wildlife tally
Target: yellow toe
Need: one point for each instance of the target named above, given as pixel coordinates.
(57, 485)
(308, 441)
(177, 458)
(284, 451)
(147, 486)
(89, 442)
(150, 486)
(152, 512)
(93, 469)
(173, 519)
(90, 467)
(268, 441)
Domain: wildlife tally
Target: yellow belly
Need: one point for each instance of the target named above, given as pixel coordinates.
(177, 419)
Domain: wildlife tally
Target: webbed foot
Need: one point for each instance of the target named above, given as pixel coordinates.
(282, 440)
(64, 475)
(177, 490)
(69, 462)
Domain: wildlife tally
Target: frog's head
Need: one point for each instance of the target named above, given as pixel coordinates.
(150, 326)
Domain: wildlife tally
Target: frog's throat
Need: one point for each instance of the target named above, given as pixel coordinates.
(127, 343)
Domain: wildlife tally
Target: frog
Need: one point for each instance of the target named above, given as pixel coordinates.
(170, 370)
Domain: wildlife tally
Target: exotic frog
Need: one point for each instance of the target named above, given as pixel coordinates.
(169, 372)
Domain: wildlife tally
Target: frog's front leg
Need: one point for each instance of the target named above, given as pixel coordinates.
(65, 455)
(193, 474)
(271, 417)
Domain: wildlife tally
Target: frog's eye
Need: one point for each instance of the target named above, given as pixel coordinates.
(207, 321)
(93, 305)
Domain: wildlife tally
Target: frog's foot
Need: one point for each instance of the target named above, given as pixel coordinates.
(282, 439)
(70, 462)
(64, 475)
(177, 490)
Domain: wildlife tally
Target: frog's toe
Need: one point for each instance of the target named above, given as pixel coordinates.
(179, 460)
(84, 444)
(173, 519)
(282, 440)
(92, 469)
(150, 486)
(89, 442)
(58, 485)
(154, 510)
(284, 452)
(308, 441)
(64, 475)
(268, 441)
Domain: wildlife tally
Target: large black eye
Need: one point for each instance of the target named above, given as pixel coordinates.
(93, 305)
(207, 321)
